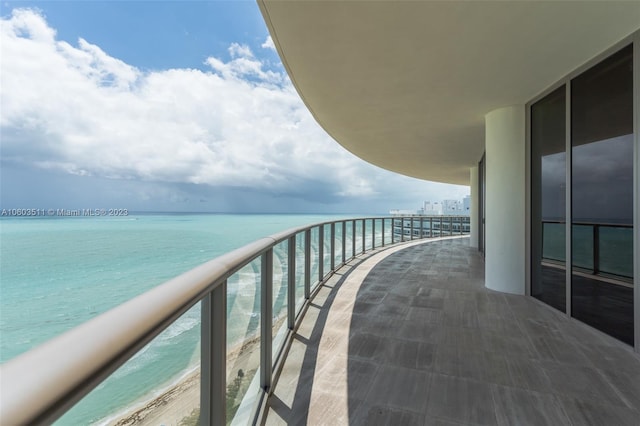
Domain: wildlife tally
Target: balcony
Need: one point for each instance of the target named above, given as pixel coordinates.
(411, 336)
(341, 325)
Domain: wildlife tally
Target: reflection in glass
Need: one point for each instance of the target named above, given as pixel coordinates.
(243, 340)
(315, 257)
(280, 296)
(337, 260)
(300, 274)
(326, 254)
(602, 195)
(582, 255)
(349, 246)
(548, 186)
(379, 224)
(616, 251)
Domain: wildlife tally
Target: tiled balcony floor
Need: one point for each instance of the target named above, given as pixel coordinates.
(412, 337)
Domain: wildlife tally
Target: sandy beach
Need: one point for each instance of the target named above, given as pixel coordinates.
(170, 408)
(179, 404)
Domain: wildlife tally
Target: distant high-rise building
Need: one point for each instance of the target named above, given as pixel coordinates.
(451, 207)
(432, 208)
(466, 205)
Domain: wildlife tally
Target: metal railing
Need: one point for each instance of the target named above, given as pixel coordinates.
(430, 226)
(598, 248)
(41, 385)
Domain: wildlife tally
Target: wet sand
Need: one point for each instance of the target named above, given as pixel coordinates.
(178, 402)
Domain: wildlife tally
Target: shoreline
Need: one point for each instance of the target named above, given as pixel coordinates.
(172, 406)
(180, 398)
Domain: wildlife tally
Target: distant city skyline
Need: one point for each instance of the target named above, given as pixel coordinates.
(447, 207)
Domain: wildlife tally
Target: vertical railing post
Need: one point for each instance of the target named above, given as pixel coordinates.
(307, 264)
(320, 252)
(402, 229)
(291, 282)
(213, 357)
(440, 234)
(266, 318)
(451, 226)
(461, 225)
(373, 234)
(393, 230)
(353, 239)
(421, 227)
(333, 246)
(383, 221)
(596, 249)
(344, 242)
(430, 227)
(364, 235)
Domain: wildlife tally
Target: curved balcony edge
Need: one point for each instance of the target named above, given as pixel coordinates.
(36, 390)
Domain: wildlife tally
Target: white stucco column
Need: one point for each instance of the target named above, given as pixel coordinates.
(505, 200)
(475, 206)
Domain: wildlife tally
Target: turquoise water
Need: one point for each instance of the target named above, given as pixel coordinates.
(56, 273)
(615, 247)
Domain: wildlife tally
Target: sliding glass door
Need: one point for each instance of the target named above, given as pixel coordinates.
(548, 194)
(602, 195)
(592, 132)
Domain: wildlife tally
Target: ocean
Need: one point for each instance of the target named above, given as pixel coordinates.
(57, 272)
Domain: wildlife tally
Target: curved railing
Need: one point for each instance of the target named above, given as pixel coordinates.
(41, 385)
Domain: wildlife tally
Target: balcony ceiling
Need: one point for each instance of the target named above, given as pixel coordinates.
(406, 85)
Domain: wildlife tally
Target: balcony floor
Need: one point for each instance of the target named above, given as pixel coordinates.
(411, 336)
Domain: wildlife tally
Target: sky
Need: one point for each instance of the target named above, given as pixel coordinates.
(169, 106)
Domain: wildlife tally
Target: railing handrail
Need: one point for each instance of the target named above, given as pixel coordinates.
(599, 224)
(38, 386)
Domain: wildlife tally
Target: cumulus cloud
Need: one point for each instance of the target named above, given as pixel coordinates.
(234, 124)
(268, 44)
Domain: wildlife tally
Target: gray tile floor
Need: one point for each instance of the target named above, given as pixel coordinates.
(411, 336)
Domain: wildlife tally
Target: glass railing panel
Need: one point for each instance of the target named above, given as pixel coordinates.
(160, 384)
(426, 227)
(378, 227)
(415, 231)
(398, 229)
(326, 254)
(349, 238)
(299, 271)
(280, 296)
(358, 237)
(337, 260)
(368, 229)
(433, 223)
(315, 256)
(616, 250)
(553, 241)
(243, 341)
(387, 231)
(582, 248)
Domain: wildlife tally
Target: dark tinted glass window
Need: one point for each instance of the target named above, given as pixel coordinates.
(602, 195)
(548, 191)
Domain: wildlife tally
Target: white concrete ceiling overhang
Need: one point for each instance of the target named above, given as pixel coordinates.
(406, 85)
